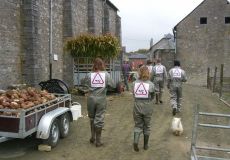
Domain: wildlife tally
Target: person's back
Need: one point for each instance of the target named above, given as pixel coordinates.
(159, 76)
(99, 82)
(177, 76)
(150, 66)
(159, 72)
(143, 93)
(125, 70)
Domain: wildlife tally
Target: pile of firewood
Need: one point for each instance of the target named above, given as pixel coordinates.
(24, 98)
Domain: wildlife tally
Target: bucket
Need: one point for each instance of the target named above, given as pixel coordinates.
(76, 110)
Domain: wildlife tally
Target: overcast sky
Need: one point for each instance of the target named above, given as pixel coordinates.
(142, 20)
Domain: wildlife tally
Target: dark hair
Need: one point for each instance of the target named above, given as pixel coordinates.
(98, 65)
(158, 60)
(149, 62)
(176, 63)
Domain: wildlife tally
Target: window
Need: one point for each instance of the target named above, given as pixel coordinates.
(203, 20)
(227, 20)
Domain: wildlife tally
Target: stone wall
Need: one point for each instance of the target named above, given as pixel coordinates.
(166, 56)
(112, 21)
(118, 28)
(80, 17)
(99, 15)
(36, 36)
(57, 64)
(10, 43)
(25, 34)
(199, 46)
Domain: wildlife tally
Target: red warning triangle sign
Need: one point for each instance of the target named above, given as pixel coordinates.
(97, 79)
(141, 90)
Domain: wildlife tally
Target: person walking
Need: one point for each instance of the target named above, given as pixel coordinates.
(159, 76)
(175, 78)
(125, 70)
(143, 92)
(149, 64)
(98, 81)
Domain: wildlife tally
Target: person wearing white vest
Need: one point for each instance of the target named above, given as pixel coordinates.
(97, 81)
(149, 64)
(175, 78)
(159, 77)
(143, 92)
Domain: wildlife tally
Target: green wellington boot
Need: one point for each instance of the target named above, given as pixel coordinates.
(136, 140)
(98, 137)
(92, 127)
(146, 141)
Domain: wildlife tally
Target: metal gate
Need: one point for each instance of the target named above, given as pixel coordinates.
(195, 147)
(83, 65)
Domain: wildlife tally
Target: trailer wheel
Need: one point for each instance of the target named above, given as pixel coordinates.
(64, 125)
(54, 135)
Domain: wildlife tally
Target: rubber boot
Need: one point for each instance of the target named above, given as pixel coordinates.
(160, 98)
(157, 98)
(136, 140)
(146, 140)
(92, 127)
(98, 137)
(174, 111)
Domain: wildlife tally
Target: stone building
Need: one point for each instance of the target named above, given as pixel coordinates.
(203, 39)
(164, 49)
(32, 50)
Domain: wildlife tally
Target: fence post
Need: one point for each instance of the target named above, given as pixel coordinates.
(214, 80)
(221, 79)
(208, 78)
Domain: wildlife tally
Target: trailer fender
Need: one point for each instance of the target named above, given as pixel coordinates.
(46, 121)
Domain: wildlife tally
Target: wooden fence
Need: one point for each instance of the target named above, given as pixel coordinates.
(219, 84)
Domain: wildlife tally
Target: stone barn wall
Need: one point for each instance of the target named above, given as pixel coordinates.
(24, 37)
(199, 46)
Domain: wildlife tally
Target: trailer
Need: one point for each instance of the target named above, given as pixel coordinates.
(49, 121)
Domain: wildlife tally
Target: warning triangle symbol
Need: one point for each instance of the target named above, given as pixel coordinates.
(97, 79)
(141, 90)
(176, 72)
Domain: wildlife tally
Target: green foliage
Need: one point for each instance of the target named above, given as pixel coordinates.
(105, 46)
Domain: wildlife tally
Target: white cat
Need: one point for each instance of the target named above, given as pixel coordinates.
(177, 127)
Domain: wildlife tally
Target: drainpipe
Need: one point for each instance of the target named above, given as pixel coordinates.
(50, 38)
